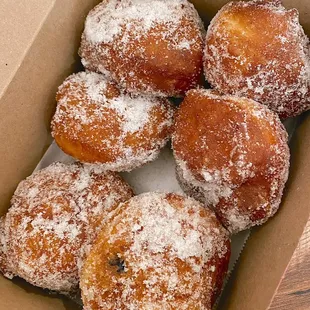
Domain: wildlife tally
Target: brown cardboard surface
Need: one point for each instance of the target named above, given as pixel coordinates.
(17, 33)
(40, 41)
(18, 295)
(27, 103)
(46, 55)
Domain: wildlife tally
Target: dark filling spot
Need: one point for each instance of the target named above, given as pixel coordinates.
(119, 263)
(299, 293)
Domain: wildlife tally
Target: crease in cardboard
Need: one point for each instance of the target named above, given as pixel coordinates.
(20, 58)
(28, 103)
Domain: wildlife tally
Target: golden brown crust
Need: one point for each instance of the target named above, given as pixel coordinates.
(55, 216)
(155, 47)
(3, 259)
(95, 123)
(232, 154)
(258, 50)
(157, 251)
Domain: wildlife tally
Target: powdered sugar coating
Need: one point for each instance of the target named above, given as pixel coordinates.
(3, 258)
(146, 46)
(157, 251)
(258, 49)
(96, 123)
(232, 154)
(55, 216)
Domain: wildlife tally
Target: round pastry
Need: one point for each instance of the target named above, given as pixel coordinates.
(157, 251)
(3, 268)
(232, 154)
(55, 215)
(96, 123)
(146, 46)
(258, 50)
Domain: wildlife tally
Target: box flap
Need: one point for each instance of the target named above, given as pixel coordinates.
(17, 33)
(27, 103)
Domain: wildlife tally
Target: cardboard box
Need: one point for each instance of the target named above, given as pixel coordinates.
(39, 43)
